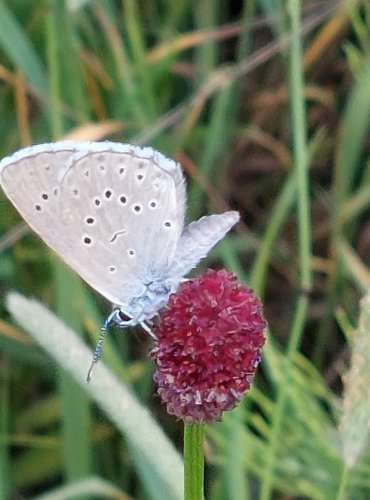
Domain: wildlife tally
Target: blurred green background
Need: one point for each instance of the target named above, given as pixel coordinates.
(266, 105)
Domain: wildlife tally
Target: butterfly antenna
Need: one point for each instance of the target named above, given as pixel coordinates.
(99, 344)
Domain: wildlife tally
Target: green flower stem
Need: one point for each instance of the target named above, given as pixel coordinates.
(194, 461)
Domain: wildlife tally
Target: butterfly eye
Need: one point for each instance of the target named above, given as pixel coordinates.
(123, 316)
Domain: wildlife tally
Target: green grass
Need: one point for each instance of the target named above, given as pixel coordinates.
(267, 106)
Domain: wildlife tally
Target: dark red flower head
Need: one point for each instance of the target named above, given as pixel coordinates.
(209, 345)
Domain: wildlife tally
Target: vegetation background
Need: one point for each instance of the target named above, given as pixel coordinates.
(267, 106)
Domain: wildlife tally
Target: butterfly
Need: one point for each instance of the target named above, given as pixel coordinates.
(115, 214)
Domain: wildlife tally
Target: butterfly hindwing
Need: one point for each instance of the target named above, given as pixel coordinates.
(198, 238)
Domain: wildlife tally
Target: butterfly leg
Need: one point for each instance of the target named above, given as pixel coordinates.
(132, 322)
(148, 330)
(136, 320)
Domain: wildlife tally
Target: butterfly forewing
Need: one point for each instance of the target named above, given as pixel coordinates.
(114, 213)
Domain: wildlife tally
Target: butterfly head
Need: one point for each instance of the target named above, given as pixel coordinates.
(145, 306)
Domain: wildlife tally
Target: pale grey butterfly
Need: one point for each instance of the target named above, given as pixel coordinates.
(115, 214)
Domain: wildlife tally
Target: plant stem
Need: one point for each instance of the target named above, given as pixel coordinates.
(300, 157)
(343, 483)
(194, 461)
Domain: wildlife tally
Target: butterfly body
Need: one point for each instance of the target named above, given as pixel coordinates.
(115, 214)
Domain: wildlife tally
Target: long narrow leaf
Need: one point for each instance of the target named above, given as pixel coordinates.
(147, 442)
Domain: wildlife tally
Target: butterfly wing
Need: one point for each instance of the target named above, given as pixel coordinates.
(113, 212)
(198, 238)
